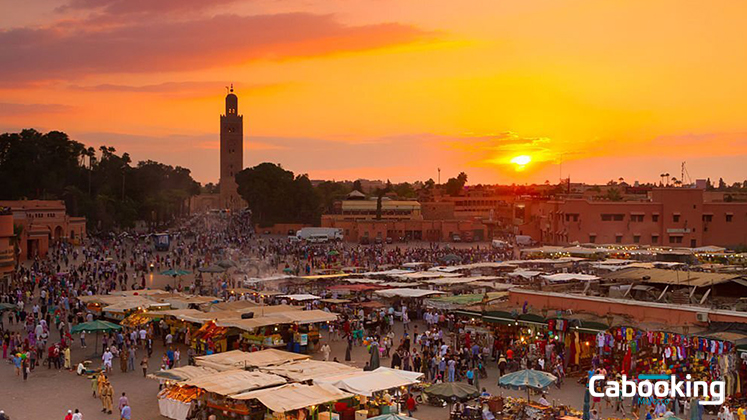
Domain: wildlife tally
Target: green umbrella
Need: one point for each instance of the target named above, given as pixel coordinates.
(333, 252)
(527, 379)
(7, 307)
(452, 390)
(451, 258)
(95, 326)
(172, 272)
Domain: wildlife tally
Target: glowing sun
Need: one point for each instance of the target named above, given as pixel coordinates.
(521, 161)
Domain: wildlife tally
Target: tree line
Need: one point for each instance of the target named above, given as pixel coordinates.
(101, 185)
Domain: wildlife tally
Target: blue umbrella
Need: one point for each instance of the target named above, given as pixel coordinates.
(526, 379)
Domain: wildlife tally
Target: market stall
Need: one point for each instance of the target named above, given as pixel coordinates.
(236, 359)
(220, 386)
(176, 402)
(295, 401)
(307, 370)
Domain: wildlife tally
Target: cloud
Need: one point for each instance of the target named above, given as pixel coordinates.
(70, 52)
(8, 109)
(182, 88)
(143, 6)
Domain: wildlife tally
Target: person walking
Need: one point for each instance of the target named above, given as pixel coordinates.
(77, 415)
(125, 412)
(123, 401)
(144, 365)
(131, 358)
(106, 394)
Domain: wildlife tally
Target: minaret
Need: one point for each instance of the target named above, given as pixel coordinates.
(231, 152)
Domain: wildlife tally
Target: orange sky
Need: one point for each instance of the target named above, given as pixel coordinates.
(392, 89)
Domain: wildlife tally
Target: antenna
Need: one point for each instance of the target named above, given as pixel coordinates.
(685, 175)
(231, 87)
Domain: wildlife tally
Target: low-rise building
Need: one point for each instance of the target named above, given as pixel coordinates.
(401, 220)
(679, 217)
(39, 223)
(7, 261)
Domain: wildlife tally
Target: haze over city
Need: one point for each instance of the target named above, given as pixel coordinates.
(357, 89)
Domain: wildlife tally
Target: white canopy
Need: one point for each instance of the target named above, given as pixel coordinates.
(304, 370)
(301, 297)
(366, 383)
(405, 292)
(235, 381)
(241, 359)
(527, 274)
(294, 396)
(473, 266)
(561, 277)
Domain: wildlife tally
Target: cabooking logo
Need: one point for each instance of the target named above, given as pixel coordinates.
(659, 388)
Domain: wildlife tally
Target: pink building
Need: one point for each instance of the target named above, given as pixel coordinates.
(40, 223)
(678, 217)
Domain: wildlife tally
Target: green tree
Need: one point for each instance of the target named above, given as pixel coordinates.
(455, 185)
(357, 186)
(329, 192)
(380, 193)
(104, 187)
(276, 195)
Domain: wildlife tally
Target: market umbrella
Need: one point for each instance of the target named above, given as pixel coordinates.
(226, 264)
(7, 306)
(526, 379)
(97, 327)
(333, 252)
(450, 258)
(175, 273)
(212, 269)
(587, 405)
(391, 417)
(178, 272)
(375, 364)
(287, 270)
(452, 390)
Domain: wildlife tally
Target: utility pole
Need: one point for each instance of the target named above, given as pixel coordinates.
(439, 176)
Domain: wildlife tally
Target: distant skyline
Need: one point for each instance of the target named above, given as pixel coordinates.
(391, 89)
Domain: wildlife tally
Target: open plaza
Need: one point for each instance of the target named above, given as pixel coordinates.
(225, 323)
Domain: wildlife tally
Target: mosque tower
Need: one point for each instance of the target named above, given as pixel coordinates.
(231, 153)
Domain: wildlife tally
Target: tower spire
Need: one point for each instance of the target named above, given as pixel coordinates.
(231, 87)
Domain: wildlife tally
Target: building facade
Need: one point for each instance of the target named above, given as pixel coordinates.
(231, 153)
(401, 221)
(672, 217)
(7, 260)
(39, 223)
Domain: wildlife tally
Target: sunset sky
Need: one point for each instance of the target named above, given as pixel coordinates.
(391, 89)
